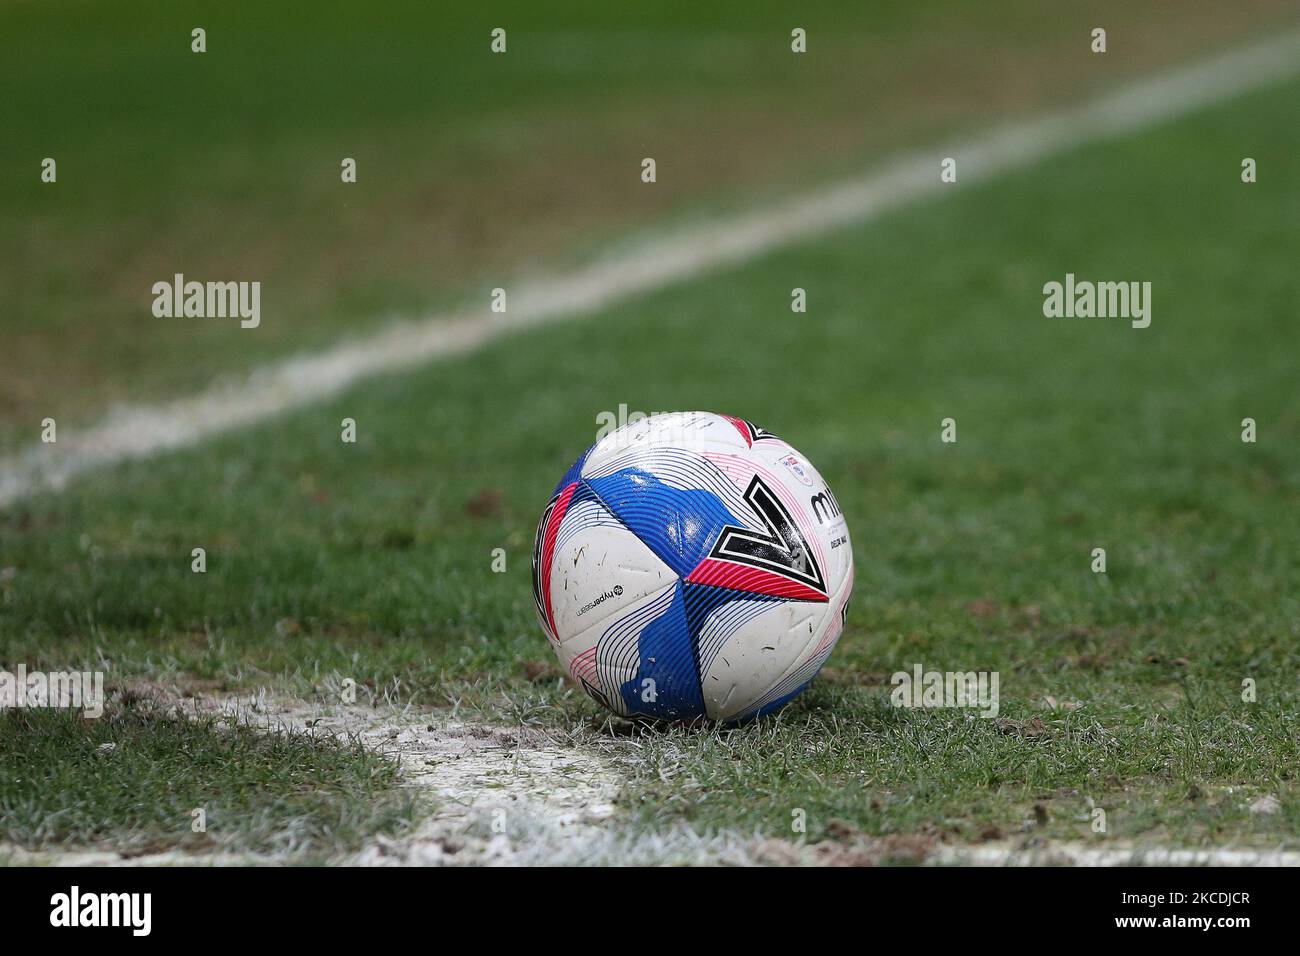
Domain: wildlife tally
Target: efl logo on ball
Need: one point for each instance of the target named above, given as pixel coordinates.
(692, 565)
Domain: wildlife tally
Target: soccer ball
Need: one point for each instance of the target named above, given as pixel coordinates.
(692, 565)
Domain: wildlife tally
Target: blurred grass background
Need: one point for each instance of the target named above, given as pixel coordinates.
(471, 167)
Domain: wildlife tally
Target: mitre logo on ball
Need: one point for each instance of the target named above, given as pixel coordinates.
(692, 565)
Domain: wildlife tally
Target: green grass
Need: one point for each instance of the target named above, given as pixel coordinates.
(130, 781)
(471, 167)
(373, 560)
(843, 755)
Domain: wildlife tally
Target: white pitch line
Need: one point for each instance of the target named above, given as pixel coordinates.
(1068, 854)
(139, 431)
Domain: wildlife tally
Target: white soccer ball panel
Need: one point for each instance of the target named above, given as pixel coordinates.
(772, 653)
(757, 654)
(599, 570)
(694, 431)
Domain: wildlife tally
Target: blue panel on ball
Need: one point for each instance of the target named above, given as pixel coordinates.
(667, 684)
(770, 708)
(678, 525)
(573, 474)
